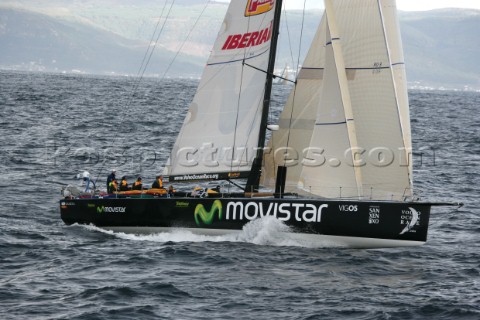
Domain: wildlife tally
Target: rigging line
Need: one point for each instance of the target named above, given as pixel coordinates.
(295, 89)
(236, 120)
(199, 87)
(238, 104)
(288, 34)
(247, 51)
(137, 84)
(156, 41)
(266, 72)
(151, 39)
(293, 98)
(185, 41)
(235, 184)
(301, 37)
(150, 50)
(151, 53)
(205, 81)
(243, 58)
(395, 89)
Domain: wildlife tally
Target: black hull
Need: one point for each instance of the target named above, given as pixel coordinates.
(349, 223)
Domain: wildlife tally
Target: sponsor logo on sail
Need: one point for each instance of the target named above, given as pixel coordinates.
(201, 215)
(249, 39)
(104, 209)
(192, 177)
(255, 7)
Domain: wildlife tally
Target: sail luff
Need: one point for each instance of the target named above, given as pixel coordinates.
(344, 91)
(404, 123)
(297, 119)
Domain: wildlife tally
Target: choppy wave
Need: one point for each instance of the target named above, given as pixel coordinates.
(52, 271)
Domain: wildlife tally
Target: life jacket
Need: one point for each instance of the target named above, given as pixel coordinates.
(110, 179)
(112, 186)
(157, 184)
(137, 185)
(123, 185)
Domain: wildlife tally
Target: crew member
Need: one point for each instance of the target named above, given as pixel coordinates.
(86, 181)
(112, 186)
(158, 183)
(213, 191)
(110, 177)
(171, 190)
(198, 192)
(124, 184)
(137, 185)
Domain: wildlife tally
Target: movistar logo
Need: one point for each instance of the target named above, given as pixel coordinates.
(207, 216)
(110, 209)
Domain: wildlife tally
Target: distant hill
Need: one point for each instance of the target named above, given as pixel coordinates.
(39, 42)
(111, 37)
(442, 47)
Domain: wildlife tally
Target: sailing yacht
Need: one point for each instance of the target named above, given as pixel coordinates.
(337, 166)
(284, 77)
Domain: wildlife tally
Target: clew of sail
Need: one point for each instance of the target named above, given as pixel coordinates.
(345, 131)
(219, 135)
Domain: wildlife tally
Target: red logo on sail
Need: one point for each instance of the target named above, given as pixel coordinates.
(255, 7)
(249, 39)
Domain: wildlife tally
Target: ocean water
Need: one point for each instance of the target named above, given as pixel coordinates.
(55, 126)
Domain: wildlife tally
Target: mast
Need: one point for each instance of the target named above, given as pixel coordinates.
(254, 178)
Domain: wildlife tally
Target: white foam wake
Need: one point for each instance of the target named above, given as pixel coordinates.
(264, 231)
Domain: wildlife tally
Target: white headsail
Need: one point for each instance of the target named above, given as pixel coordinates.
(220, 132)
(350, 120)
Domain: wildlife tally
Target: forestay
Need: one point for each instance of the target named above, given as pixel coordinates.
(347, 120)
(219, 135)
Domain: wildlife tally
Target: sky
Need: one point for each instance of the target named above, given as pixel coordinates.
(404, 5)
(421, 5)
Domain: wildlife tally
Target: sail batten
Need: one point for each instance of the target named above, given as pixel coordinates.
(346, 101)
(242, 59)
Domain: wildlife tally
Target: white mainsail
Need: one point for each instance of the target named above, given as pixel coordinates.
(358, 137)
(220, 131)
